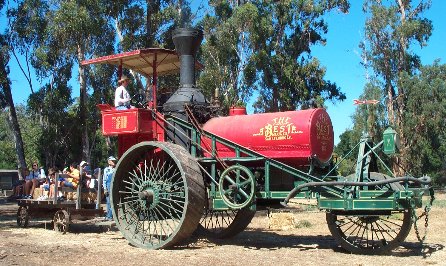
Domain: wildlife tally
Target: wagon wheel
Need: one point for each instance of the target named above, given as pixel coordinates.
(61, 221)
(236, 186)
(22, 217)
(224, 223)
(371, 234)
(157, 195)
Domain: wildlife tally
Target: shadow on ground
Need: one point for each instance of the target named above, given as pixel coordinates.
(250, 239)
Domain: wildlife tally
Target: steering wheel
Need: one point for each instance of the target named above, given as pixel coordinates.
(139, 100)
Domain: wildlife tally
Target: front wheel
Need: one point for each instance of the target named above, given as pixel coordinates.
(369, 234)
(157, 195)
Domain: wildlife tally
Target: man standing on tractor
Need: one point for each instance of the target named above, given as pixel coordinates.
(122, 97)
(108, 174)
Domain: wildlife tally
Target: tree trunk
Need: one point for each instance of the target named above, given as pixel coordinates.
(12, 114)
(401, 164)
(82, 106)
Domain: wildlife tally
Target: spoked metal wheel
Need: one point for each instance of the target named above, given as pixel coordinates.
(61, 221)
(157, 195)
(369, 234)
(225, 223)
(236, 186)
(22, 217)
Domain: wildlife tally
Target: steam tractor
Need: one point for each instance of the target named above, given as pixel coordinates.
(183, 168)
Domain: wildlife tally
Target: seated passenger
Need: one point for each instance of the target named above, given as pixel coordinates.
(122, 97)
(73, 178)
(86, 174)
(48, 187)
(35, 179)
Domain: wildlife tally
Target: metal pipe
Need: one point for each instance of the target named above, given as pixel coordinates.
(425, 180)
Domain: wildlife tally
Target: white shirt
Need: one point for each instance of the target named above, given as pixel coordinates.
(122, 97)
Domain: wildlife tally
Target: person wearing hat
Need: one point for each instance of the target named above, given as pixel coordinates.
(122, 97)
(86, 174)
(108, 175)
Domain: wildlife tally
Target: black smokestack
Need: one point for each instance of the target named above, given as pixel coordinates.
(187, 41)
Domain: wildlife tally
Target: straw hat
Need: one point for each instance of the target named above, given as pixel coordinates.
(122, 79)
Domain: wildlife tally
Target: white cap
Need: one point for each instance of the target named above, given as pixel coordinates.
(83, 163)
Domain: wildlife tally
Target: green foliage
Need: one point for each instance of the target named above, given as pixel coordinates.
(391, 29)
(425, 121)
(345, 151)
(226, 52)
(264, 47)
(30, 134)
(8, 154)
(370, 119)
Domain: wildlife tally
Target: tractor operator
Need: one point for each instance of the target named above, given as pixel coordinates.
(122, 97)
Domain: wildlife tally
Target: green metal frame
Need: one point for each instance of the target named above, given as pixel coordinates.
(344, 198)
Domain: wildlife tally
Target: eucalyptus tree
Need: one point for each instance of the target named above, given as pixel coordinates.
(288, 76)
(146, 23)
(227, 51)
(264, 48)
(8, 157)
(425, 120)
(6, 100)
(391, 29)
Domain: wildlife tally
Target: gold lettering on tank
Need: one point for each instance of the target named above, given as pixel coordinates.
(280, 128)
(323, 129)
(119, 122)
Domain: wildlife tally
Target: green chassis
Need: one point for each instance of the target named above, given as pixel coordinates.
(330, 198)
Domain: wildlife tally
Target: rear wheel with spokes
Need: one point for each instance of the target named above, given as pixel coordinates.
(157, 195)
(225, 223)
(369, 234)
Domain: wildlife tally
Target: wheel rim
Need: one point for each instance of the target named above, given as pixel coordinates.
(151, 189)
(22, 217)
(236, 186)
(225, 223)
(370, 234)
(61, 221)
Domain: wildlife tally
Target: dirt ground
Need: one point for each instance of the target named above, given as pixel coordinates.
(311, 244)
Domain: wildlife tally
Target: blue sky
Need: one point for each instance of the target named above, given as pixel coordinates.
(340, 56)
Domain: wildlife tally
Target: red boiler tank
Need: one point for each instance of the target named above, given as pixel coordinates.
(292, 137)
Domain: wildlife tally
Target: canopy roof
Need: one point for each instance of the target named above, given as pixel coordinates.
(144, 61)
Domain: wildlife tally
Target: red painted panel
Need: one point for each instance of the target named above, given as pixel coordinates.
(132, 126)
(291, 137)
(126, 121)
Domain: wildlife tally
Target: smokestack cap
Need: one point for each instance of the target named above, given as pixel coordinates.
(187, 40)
